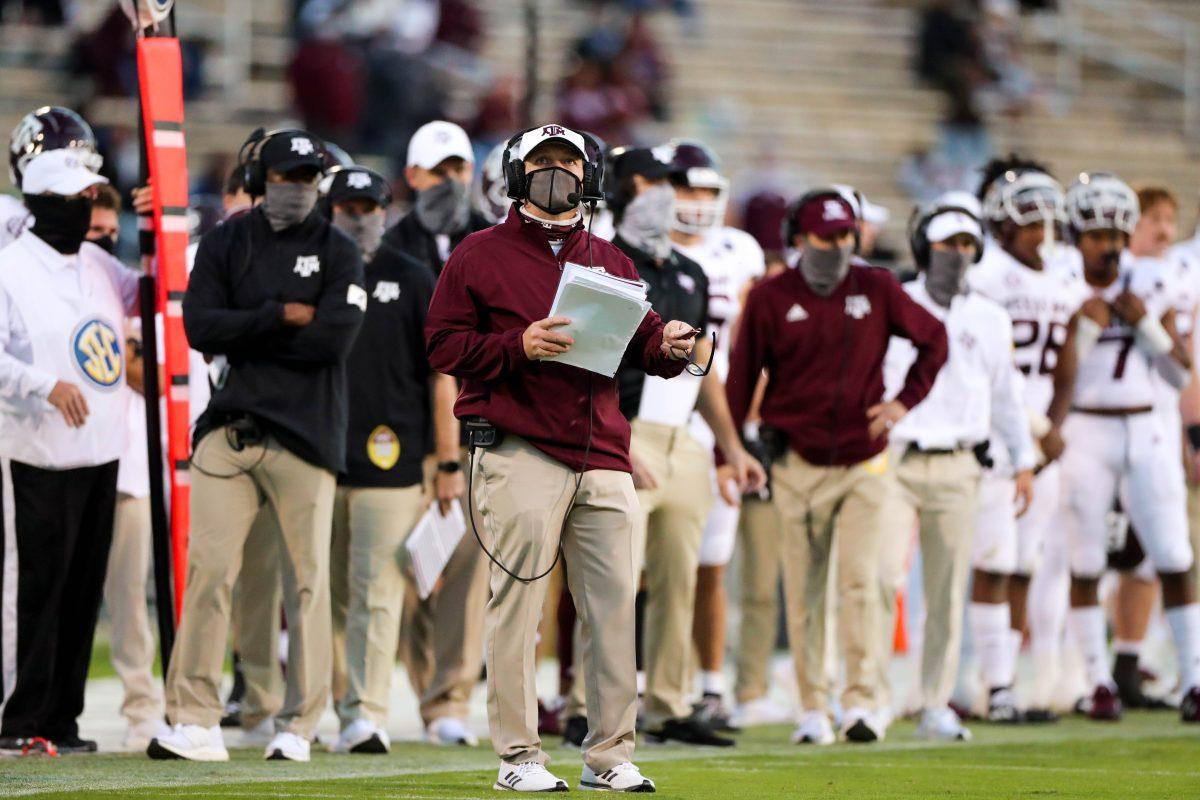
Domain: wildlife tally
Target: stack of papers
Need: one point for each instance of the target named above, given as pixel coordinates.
(432, 542)
(605, 311)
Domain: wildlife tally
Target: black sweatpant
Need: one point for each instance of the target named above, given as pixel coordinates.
(57, 531)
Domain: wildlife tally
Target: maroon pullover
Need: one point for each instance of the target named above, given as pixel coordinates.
(824, 358)
(496, 284)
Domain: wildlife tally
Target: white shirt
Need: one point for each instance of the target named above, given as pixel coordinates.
(14, 218)
(977, 390)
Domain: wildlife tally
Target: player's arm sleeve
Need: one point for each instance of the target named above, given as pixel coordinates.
(18, 380)
(907, 318)
(454, 343)
(212, 324)
(1009, 417)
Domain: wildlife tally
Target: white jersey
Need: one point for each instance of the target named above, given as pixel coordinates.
(1117, 373)
(1040, 304)
(14, 218)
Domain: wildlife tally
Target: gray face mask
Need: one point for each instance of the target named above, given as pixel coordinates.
(824, 270)
(946, 275)
(444, 208)
(365, 229)
(288, 204)
(646, 221)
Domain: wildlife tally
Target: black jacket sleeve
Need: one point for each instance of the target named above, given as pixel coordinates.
(212, 324)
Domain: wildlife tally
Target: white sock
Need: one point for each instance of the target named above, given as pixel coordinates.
(1127, 647)
(1087, 626)
(1185, 629)
(1046, 652)
(641, 683)
(989, 632)
(712, 682)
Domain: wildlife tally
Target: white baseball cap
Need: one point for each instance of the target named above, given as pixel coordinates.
(436, 141)
(548, 133)
(61, 172)
(952, 223)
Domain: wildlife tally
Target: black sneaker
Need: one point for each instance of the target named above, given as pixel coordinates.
(1039, 716)
(712, 711)
(574, 731)
(688, 731)
(73, 744)
(1189, 706)
(861, 732)
(1002, 707)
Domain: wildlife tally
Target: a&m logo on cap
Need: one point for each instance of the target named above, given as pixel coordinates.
(302, 146)
(97, 350)
(358, 180)
(835, 209)
(553, 130)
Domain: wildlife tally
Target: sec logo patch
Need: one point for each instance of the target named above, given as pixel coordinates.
(97, 350)
(383, 447)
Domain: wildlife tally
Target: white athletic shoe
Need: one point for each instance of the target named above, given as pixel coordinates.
(260, 735)
(944, 724)
(363, 736)
(760, 711)
(287, 747)
(190, 742)
(450, 731)
(137, 737)
(814, 728)
(861, 726)
(624, 777)
(529, 776)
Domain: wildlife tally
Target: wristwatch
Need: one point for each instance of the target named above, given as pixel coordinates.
(449, 467)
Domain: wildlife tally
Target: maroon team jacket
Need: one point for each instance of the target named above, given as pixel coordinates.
(496, 283)
(824, 358)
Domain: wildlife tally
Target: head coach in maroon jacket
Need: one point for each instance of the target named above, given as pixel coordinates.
(821, 330)
(550, 463)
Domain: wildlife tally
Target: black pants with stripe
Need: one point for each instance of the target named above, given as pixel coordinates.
(57, 531)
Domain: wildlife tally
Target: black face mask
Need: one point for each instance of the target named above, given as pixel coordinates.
(60, 222)
(554, 190)
(106, 243)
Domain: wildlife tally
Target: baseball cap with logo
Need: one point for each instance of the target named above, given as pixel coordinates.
(288, 150)
(62, 172)
(649, 162)
(436, 141)
(349, 183)
(532, 139)
(827, 215)
(961, 215)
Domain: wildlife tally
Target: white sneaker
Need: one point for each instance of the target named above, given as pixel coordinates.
(814, 728)
(944, 724)
(624, 777)
(138, 737)
(190, 742)
(861, 726)
(363, 736)
(529, 776)
(450, 731)
(760, 711)
(287, 747)
(260, 735)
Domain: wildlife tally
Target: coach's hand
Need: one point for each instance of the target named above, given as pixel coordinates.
(678, 340)
(882, 417)
(542, 341)
(69, 400)
(449, 487)
(643, 476)
(1023, 494)
(742, 474)
(1052, 445)
(297, 315)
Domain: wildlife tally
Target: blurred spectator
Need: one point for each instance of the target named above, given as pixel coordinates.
(35, 12)
(1013, 89)
(327, 85)
(597, 96)
(106, 54)
(950, 58)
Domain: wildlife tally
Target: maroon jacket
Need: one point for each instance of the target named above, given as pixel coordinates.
(824, 358)
(499, 281)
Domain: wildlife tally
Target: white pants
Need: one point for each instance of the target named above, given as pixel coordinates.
(1004, 543)
(1101, 453)
(721, 527)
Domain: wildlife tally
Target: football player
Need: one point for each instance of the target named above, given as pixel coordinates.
(731, 259)
(1104, 397)
(1022, 206)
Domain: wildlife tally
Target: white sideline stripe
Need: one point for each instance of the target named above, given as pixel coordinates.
(8, 588)
(168, 139)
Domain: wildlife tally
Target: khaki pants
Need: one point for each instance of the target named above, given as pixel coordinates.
(939, 492)
(812, 502)
(442, 646)
(257, 598)
(367, 594)
(132, 646)
(521, 498)
(223, 511)
(762, 546)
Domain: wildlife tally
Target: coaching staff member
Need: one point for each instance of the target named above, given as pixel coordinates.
(562, 469)
(821, 331)
(278, 292)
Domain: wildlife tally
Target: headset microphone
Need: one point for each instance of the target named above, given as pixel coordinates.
(573, 198)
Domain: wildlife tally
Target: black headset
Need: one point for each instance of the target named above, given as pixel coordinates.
(918, 226)
(791, 220)
(254, 174)
(517, 188)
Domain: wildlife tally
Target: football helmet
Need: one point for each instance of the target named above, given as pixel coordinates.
(489, 196)
(1101, 201)
(50, 128)
(695, 166)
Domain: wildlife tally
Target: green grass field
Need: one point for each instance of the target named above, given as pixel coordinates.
(1148, 755)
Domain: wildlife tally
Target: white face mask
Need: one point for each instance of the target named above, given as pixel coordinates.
(646, 221)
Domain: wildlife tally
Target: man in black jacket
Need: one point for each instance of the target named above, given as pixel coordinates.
(278, 292)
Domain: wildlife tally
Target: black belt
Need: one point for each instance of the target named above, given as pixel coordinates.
(913, 447)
